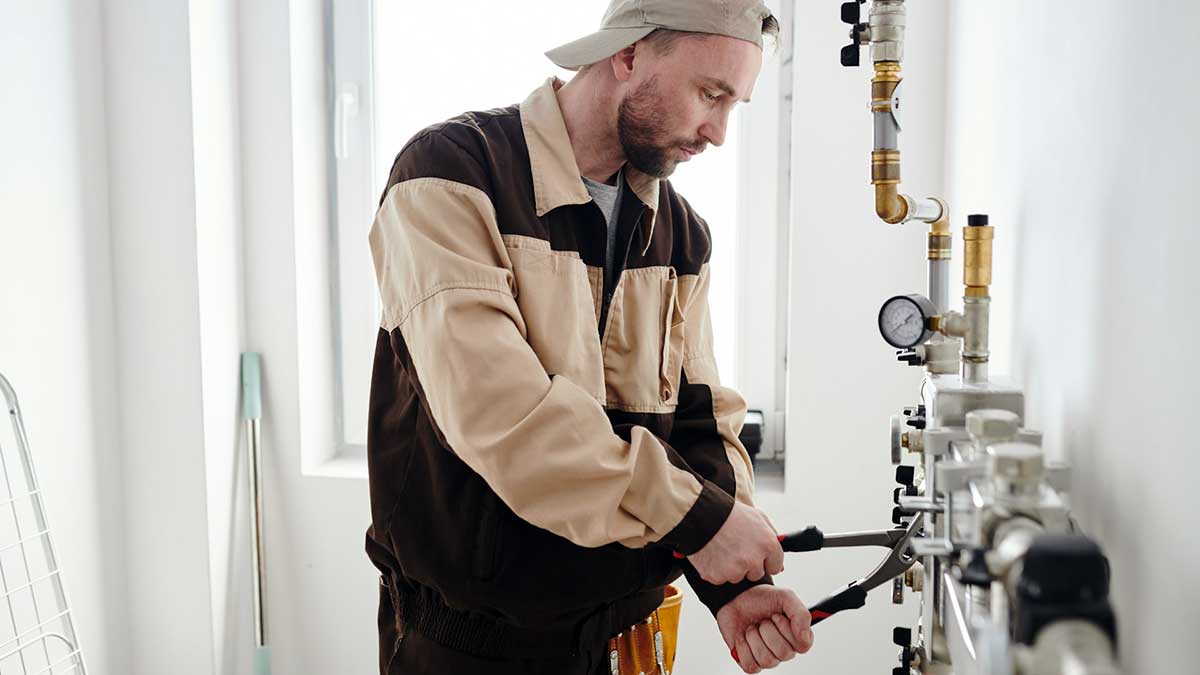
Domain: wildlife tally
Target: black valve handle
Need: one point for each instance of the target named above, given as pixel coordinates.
(851, 12)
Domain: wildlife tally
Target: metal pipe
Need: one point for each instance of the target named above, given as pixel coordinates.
(975, 345)
(1072, 646)
(939, 284)
(926, 209)
(891, 206)
(977, 276)
(887, 132)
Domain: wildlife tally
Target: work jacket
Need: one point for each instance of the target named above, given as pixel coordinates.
(539, 444)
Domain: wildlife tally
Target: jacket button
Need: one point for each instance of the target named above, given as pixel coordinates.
(666, 395)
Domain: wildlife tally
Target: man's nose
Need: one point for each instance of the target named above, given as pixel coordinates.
(713, 130)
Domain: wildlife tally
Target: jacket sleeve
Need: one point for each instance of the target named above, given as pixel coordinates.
(707, 423)
(541, 442)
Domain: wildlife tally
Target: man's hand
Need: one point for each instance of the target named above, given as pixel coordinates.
(746, 547)
(765, 626)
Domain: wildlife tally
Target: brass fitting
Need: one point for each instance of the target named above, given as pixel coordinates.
(940, 241)
(889, 205)
(914, 578)
(885, 163)
(883, 85)
(977, 256)
(950, 324)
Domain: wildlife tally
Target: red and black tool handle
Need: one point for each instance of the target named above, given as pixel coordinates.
(808, 539)
(850, 597)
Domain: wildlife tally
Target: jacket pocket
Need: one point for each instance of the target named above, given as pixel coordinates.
(672, 340)
(558, 306)
(643, 343)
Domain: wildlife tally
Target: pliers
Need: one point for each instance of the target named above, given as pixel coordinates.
(854, 596)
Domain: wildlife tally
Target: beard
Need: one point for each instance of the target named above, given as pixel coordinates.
(642, 129)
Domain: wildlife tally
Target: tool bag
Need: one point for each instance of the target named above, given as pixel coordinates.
(649, 647)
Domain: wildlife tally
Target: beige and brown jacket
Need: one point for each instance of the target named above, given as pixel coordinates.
(539, 444)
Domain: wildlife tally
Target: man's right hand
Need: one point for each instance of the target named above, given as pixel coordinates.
(746, 547)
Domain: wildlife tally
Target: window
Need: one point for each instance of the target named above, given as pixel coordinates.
(424, 62)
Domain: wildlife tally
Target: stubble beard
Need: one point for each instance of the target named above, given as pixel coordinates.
(641, 123)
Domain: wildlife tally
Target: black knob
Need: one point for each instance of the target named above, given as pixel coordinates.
(977, 220)
(910, 357)
(851, 12)
(916, 422)
(918, 411)
(899, 514)
(850, 55)
(909, 491)
(901, 636)
(906, 475)
(1063, 576)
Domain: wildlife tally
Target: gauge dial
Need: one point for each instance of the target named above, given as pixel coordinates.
(904, 320)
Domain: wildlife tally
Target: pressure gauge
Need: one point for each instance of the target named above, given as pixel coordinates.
(904, 320)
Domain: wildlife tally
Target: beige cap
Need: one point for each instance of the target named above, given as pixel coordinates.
(628, 21)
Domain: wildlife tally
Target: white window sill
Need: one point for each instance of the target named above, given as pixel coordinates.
(349, 461)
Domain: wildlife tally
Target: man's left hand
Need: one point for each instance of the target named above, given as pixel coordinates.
(765, 626)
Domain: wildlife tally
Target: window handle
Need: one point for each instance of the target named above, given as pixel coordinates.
(345, 109)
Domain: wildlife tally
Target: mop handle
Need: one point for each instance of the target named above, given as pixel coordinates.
(252, 413)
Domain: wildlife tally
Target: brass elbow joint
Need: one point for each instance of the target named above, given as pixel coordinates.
(889, 205)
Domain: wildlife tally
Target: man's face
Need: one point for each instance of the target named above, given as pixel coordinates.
(680, 102)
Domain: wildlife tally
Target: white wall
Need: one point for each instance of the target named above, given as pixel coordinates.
(57, 337)
(153, 209)
(121, 316)
(216, 146)
(1074, 124)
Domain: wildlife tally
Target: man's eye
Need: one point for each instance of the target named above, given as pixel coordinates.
(709, 96)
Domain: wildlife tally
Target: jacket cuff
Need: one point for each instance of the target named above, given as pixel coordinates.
(701, 523)
(715, 597)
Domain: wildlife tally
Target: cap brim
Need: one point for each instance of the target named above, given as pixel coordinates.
(596, 47)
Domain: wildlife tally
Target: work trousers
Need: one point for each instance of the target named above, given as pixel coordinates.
(417, 655)
(411, 653)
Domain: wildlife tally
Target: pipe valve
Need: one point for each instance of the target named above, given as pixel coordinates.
(859, 32)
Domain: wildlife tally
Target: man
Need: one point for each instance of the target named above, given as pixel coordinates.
(549, 444)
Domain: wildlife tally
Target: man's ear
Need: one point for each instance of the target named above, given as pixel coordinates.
(622, 62)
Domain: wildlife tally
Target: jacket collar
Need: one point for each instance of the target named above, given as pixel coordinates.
(556, 179)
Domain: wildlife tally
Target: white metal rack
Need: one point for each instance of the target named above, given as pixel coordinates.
(37, 634)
